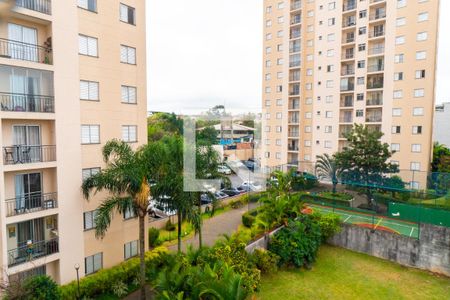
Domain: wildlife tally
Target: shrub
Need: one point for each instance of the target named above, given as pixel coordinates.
(324, 199)
(248, 219)
(120, 289)
(34, 288)
(265, 261)
(297, 244)
(169, 226)
(153, 237)
(329, 224)
(237, 203)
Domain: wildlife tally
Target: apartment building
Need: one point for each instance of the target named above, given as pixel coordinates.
(72, 77)
(329, 64)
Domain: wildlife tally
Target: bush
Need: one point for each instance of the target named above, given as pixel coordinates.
(297, 244)
(248, 219)
(153, 237)
(34, 288)
(324, 199)
(237, 203)
(329, 224)
(265, 261)
(170, 226)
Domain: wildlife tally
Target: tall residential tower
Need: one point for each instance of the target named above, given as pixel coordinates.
(329, 64)
(72, 77)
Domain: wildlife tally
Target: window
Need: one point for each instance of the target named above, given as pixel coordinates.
(414, 184)
(416, 148)
(360, 97)
(268, 9)
(331, 5)
(129, 133)
(278, 129)
(267, 76)
(129, 214)
(267, 116)
(280, 20)
(267, 155)
(331, 21)
(422, 17)
(310, 13)
(90, 134)
(395, 147)
(396, 129)
(328, 114)
(267, 142)
(418, 111)
(396, 112)
(329, 99)
(280, 75)
(362, 30)
(363, 14)
(308, 115)
(420, 74)
(268, 63)
(361, 47)
(307, 157)
(280, 33)
(280, 5)
(127, 14)
(361, 64)
(268, 23)
(328, 129)
(307, 143)
(401, 3)
(331, 37)
(327, 144)
(400, 40)
(268, 89)
(330, 83)
(130, 249)
(278, 155)
(417, 129)
(308, 101)
(267, 129)
(308, 129)
(268, 36)
(415, 166)
(268, 50)
(89, 219)
(278, 115)
(330, 53)
(400, 22)
(279, 102)
(280, 47)
(88, 4)
(398, 76)
(418, 93)
(360, 80)
(87, 45)
(86, 173)
(360, 113)
(93, 263)
(420, 55)
(127, 55)
(330, 68)
(309, 72)
(399, 58)
(128, 94)
(279, 61)
(279, 88)
(89, 90)
(278, 142)
(398, 94)
(422, 36)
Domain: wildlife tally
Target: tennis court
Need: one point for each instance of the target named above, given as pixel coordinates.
(371, 221)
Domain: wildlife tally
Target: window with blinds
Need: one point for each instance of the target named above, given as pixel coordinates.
(129, 214)
(93, 263)
(89, 219)
(127, 55)
(86, 173)
(130, 249)
(90, 134)
(128, 94)
(89, 90)
(88, 45)
(90, 5)
(129, 133)
(127, 14)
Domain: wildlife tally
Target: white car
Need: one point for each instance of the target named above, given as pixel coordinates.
(251, 186)
(224, 170)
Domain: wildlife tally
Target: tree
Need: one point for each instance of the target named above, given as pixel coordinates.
(33, 288)
(441, 158)
(364, 160)
(126, 177)
(327, 168)
(161, 124)
(207, 136)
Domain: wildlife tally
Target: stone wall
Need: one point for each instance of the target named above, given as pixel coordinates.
(430, 252)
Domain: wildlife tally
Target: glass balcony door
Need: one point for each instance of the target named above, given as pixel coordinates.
(24, 45)
(28, 189)
(27, 143)
(32, 230)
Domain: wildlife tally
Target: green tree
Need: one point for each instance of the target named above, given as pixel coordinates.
(441, 158)
(364, 160)
(33, 288)
(126, 177)
(162, 124)
(207, 136)
(327, 168)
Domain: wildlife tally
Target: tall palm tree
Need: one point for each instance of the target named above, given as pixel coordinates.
(328, 168)
(126, 178)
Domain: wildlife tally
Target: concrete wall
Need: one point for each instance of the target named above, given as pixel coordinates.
(431, 252)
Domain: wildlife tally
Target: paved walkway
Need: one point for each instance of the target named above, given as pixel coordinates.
(214, 228)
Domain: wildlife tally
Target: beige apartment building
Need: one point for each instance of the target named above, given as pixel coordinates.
(329, 64)
(72, 77)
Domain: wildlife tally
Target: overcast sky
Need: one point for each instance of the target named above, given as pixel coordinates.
(207, 52)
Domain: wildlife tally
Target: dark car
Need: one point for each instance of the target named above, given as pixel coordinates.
(205, 199)
(231, 191)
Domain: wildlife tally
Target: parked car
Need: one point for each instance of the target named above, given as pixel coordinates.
(241, 189)
(205, 199)
(251, 186)
(220, 195)
(231, 191)
(222, 169)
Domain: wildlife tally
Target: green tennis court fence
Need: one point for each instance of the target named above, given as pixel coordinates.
(419, 214)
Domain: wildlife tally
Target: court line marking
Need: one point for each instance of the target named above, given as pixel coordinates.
(347, 218)
(378, 223)
(412, 230)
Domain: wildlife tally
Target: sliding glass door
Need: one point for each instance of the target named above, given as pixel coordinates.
(27, 143)
(28, 189)
(23, 42)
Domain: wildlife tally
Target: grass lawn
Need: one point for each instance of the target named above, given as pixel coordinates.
(343, 274)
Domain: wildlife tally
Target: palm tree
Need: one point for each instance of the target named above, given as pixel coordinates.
(126, 178)
(327, 168)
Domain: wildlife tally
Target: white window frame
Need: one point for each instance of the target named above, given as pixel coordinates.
(92, 138)
(128, 55)
(93, 263)
(127, 133)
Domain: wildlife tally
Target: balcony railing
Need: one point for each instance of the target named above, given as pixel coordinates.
(343, 133)
(292, 147)
(296, 20)
(294, 106)
(296, 5)
(27, 103)
(42, 6)
(31, 203)
(375, 1)
(376, 50)
(294, 64)
(375, 85)
(346, 119)
(347, 103)
(375, 68)
(348, 40)
(377, 15)
(293, 134)
(348, 23)
(348, 55)
(349, 6)
(374, 101)
(32, 251)
(350, 71)
(374, 34)
(374, 119)
(294, 120)
(23, 51)
(348, 87)
(25, 154)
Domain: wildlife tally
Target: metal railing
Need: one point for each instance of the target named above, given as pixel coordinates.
(293, 134)
(292, 148)
(24, 51)
(348, 55)
(27, 103)
(374, 34)
(376, 50)
(374, 119)
(348, 40)
(348, 87)
(294, 120)
(296, 5)
(375, 68)
(42, 6)
(349, 6)
(348, 23)
(346, 119)
(377, 15)
(345, 72)
(32, 251)
(346, 103)
(296, 20)
(25, 154)
(374, 101)
(31, 203)
(375, 85)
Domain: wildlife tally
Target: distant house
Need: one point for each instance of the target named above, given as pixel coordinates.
(441, 132)
(229, 134)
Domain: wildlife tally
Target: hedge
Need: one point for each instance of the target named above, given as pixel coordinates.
(318, 198)
(249, 218)
(102, 282)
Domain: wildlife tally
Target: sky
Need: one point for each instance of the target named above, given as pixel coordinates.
(203, 53)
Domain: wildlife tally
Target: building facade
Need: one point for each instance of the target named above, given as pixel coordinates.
(72, 77)
(442, 124)
(329, 64)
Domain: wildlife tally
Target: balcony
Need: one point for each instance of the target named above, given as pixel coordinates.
(375, 68)
(374, 102)
(295, 33)
(27, 103)
(347, 87)
(348, 39)
(376, 1)
(296, 19)
(31, 203)
(296, 5)
(293, 134)
(23, 51)
(346, 102)
(376, 50)
(349, 22)
(349, 6)
(374, 119)
(381, 14)
(294, 105)
(26, 154)
(32, 251)
(344, 130)
(294, 120)
(376, 33)
(292, 147)
(347, 118)
(347, 71)
(349, 55)
(42, 6)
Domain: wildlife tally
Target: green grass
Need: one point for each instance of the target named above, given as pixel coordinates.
(343, 274)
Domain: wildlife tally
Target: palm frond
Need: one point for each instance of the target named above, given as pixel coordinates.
(106, 211)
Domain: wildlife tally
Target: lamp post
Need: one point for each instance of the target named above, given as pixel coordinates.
(77, 267)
